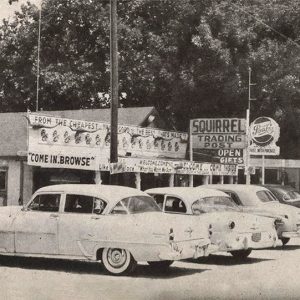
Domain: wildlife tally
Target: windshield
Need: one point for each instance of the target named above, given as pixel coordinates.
(135, 205)
(211, 204)
(265, 196)
(291, 195)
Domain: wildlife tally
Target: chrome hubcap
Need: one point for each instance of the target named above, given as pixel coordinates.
(116, 257)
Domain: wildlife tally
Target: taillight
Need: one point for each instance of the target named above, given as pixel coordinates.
(171, 234)
(210, 229)
(278, 223)
(231, 225)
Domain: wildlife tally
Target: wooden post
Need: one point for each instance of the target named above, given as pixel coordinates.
(138, 180)
(221, 179)
(114, 85)
(171, 180)
(205, 179)
(97, 178)
(263, 170)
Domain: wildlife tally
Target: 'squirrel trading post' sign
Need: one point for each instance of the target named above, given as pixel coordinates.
(218, 133)
(77, 144)
(264, 133)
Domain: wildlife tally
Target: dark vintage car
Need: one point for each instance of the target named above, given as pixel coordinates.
(285, 194)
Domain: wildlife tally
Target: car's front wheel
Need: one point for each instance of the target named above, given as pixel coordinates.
(284, 241)
(241, 254)
(162, 265)
(118, 261)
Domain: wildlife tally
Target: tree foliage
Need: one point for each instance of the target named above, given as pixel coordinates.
(189, 58)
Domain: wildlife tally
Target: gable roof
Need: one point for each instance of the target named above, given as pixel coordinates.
(13, 126)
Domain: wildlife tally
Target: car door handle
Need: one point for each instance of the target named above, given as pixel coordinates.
(53, 216)
(95, 217)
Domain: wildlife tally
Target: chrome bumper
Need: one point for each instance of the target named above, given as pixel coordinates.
(290, 234)
(246, 241)
(185, 250)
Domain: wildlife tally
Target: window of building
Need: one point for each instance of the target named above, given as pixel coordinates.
(3, 174)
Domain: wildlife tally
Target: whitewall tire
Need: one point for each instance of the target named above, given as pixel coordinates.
(118, 261)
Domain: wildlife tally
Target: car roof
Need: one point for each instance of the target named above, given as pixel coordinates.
(235, 187)
(279, 187)
(187, 193)
(113, 193)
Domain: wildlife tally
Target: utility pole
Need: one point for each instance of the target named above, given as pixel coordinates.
(114, 87)
(248, 158)
(38, 60)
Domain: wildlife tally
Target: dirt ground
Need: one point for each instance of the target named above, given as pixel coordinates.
(266, 274)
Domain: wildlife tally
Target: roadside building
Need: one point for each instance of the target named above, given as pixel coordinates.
(18, 179)
(158, 157)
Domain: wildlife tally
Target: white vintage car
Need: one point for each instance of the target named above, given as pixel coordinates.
(113, 224)
(259, 200)
(231, 230)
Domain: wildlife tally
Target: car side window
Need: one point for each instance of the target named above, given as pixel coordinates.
(159, 199)
(174, 204)
(76, 203)
(45, 202)
(234, 197)
(119, 209)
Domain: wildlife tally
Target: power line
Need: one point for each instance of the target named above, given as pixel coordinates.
(265, 24)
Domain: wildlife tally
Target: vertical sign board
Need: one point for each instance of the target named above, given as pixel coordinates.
(219, 135)
(264, 133)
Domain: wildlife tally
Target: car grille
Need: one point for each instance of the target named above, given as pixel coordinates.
(256, 237)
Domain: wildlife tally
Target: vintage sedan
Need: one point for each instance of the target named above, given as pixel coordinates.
(113, 224)
(285, 194)
(259, 200)
(230, 230)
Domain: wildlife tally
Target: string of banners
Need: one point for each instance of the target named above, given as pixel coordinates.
(169, 167)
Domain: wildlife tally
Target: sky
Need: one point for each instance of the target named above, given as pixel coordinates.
(7, 10)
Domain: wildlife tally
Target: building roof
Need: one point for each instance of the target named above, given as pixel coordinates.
(13, 133)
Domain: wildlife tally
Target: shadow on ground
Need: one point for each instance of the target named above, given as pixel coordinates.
(146, 271)
(80, 267)
(284, 248)
(223, 260)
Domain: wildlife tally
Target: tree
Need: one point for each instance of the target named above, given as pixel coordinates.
(188, 58)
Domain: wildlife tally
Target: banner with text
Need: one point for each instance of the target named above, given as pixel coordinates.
(170, 167)
(89, 141)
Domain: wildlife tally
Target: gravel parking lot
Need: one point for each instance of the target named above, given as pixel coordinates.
(266, 274)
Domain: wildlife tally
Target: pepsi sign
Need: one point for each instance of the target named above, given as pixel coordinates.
(264, 133)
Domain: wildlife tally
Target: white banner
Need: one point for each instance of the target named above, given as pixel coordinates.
(171, 167)
(59, 160)
(57, 136)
